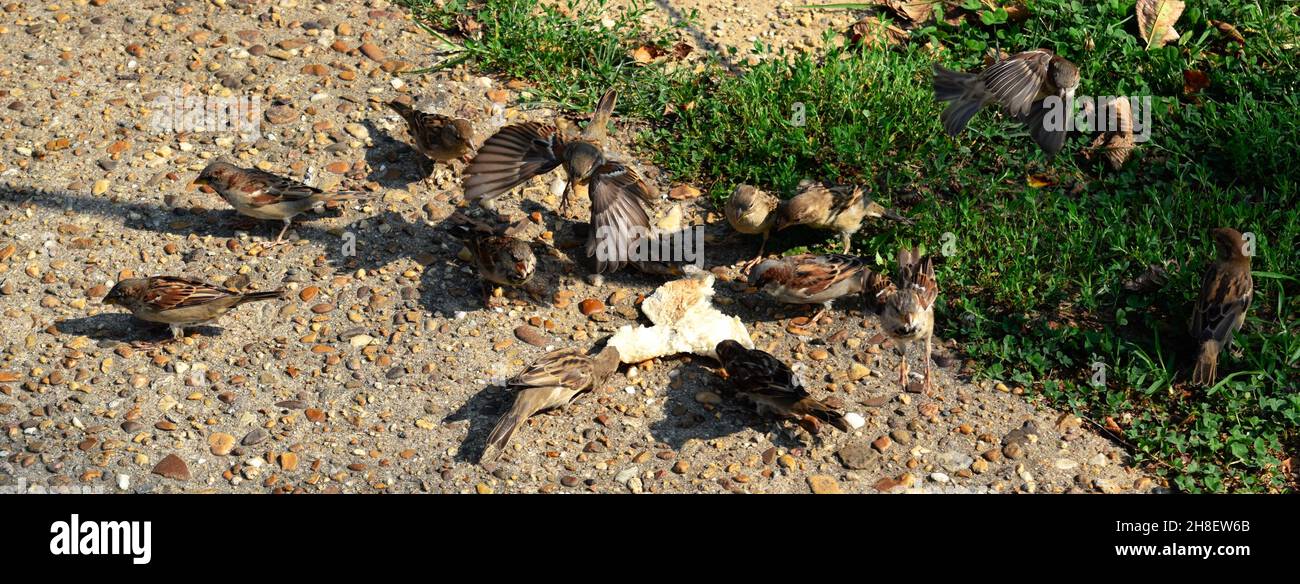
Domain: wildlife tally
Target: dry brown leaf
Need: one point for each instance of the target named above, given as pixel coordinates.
(1228, 31)
(1156, 20)
(1194, 81)
(1117, 144)
(1039, 181)
(917, 11)
(874, 31)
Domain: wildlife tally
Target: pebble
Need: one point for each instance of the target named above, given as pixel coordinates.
(172, 467)
(858, 455)
(823, 485)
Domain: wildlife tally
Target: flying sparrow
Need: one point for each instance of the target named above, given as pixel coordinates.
(436, 136)
(500, 259)
(841, 209)
(1019, 83)
(813, 279)
(521, 151)
(179, 302)
(773, 387)
(553, 381)
(1220, 310)
(752, 212)
(907, 313)
(262, 195)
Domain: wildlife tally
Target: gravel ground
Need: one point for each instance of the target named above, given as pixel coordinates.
(381, 371)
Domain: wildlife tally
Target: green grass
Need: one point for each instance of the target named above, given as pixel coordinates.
(1034, 289)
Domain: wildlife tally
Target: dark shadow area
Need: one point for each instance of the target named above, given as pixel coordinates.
(124, 328)
(481, 412)
(394, 162)
(686, 419)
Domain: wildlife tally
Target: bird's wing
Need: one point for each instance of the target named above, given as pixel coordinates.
(815, 274)
(1225, 297)
(512, 156)
(617, 218)
(272, 188)
(169, 292)
(1016, 81)
(566, 367)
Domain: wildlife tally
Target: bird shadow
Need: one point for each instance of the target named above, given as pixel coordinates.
(394, 162)
(687, 419)
(124, 328)
(481, 412)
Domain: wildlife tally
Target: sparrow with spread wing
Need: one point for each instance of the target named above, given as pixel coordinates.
(521, 151)
(839, 208)
(179, 302)
(262, 195)
(773, 387)
(552, 381)
(1226, 291)
(1020, 83)
(907, 312)
(812, 279)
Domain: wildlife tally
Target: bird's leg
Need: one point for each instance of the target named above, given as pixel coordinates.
(757, 258)
(926, 383)
(279, 239)
(848, 242)
(902, 367)
(820, 313)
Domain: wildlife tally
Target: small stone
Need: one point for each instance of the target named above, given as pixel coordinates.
(531, 335)
(882, 443)
(823, 485)
(857, 371)
(221, 443)
(708, 398)
(591, 306)
(858, 456)
(682, 192)
(172, 467)
(372, 51)
(288, 461)
(280, 114)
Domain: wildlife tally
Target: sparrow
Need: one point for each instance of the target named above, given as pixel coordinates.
(262, 195)
(553, 381)
(1220, 310)
(436, 136)
(179, 302)
(500, 259)
(752, 212)
(1019, 83)
(773, 387)
(521, 151)
(813, 279)
(907, 311)
(840, 208)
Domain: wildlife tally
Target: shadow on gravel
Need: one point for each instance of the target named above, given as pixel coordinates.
(394, 162)
(481, 411)
(685, 419)
(124, 328)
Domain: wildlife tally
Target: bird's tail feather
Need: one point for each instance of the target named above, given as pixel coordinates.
(267, 295)
(958, 114)
(950, 85)
(824, 413)
(1207, 362)
(527, 403)
(604, 109)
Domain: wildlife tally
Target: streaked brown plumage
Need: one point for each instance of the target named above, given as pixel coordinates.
(1019, 83)
(838, 208)
(753, 212)
(553, 381)
(179, 302)
(521, 151)
(436, 136)
(262, 195)
(907, 314)
(773, 387)
(1226, 291)
(812, 279)
(500, 259)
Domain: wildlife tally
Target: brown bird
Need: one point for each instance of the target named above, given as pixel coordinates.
(1226, 291)
(1019, 83)
(840, 208)
(436, 136)
(553, 381)
(262, 195)
(500, 259)
(179, 302)
(773, 387)
(521, 151)
(907, 314)
(753, 212)
(813, 279)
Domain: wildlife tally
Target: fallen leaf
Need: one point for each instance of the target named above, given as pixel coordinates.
(680, 192)
(917, 11)
(1156, 20)
(1039, 181)
(1194, 81)
(874, 31)
(1228, 31)
(680, 50)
